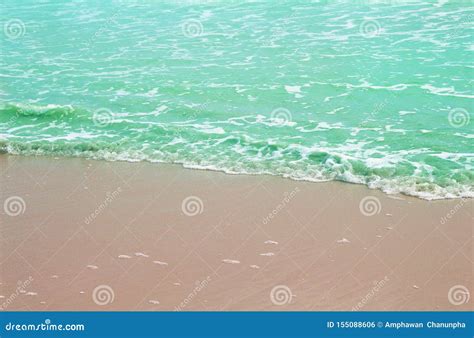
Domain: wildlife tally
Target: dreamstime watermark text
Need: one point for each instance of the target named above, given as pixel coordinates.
(378, 285)
(110, 197)
(284, 202)
(20, 289)
(46, 326)
(200, 285)
(453, 211)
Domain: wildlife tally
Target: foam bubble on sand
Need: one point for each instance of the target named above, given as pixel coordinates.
(154, 302)
(160, 263)
(416, 287)
(124, 256)
(92, 267)
(270, 242)
(82, 292)
(268, 254)
(141, 254)
(43, 302)
(54, 276)
(30, 293)
(230, 261)
(177, 284)
(343, 241)
(2, 296)
(395, 197)
(254, 266)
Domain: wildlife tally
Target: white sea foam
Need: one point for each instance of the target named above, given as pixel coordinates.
(160, 263)
(293, 89)
(267, 254)
(271, 242)
(230, 261)
(141, 254)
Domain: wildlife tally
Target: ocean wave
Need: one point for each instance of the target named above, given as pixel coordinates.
(388, 106)
(333, 169)
(22, 109)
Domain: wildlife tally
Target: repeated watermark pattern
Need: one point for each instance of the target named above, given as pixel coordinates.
(14, 29)
(110, 197)
(281, 116)
(378, 107)
(465, 22)
(378, 285)
(109, 22)
(284, 202)
(281, 295)
(200, 285)
(14, 206)
(369, 28)
(102, 117)
(458, 117)
(458, 295)
(20, 289)
(192, 28)
(103, 295)
(192, 206)
(370, 206)
(453, 211)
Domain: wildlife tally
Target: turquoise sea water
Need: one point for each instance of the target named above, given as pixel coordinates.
(372, 92)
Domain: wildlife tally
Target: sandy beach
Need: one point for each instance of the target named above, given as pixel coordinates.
(80, 234)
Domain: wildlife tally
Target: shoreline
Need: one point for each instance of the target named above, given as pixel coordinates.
(161, 236)
(182, 165)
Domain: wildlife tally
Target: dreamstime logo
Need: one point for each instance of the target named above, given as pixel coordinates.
(192, 206)
(458, 295)
(370, 206)
(192, 28)
(458, 117)
(102, 117)
(14, 206)
(14, 29)
(369, 28)
(281, 295)
(103, 295)
(281, 116)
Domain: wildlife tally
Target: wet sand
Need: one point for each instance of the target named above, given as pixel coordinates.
(80, 234)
